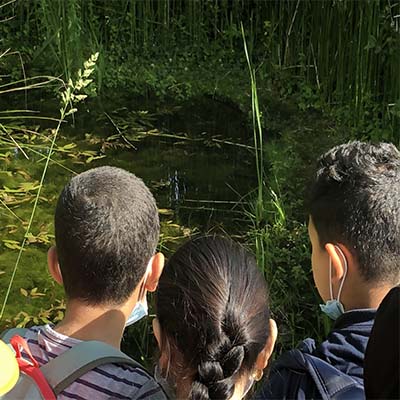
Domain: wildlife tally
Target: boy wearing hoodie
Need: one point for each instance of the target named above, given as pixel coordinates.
(354, 229)
(107, 230)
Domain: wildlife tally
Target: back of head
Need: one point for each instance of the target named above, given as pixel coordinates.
(107, 229)
(213, 312)
(355, 200)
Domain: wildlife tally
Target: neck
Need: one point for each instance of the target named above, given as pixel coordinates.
(84, 322)
(366, 296)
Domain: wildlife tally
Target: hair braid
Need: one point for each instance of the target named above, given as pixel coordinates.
(216, 372)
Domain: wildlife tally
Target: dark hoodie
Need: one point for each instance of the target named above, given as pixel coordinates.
(382, 358)
(334, 369)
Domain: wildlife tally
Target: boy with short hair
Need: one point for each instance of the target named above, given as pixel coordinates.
(354, 228)
(107, 230)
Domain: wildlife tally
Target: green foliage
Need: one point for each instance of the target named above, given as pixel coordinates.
(70, 96)
(278, 232)
(331, 53)
(287, 269)
(53, 314)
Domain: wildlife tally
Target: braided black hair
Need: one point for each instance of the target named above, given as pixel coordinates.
(212, 307)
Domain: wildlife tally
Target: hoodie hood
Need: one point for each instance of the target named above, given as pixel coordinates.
(346, 344)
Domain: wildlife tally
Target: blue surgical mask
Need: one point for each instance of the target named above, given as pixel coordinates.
(141, 308)
(139, 311)
(333, 308)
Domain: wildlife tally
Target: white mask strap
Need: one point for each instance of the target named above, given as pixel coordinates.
(142, 289)
(344, 275)
(345, 271)
(330, 277)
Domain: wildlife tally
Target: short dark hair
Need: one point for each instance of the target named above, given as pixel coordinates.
(107, 229)
(212, 306)
(355, 200)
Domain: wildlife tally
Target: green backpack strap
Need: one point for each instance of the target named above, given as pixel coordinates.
(9, 333)
(66, 368)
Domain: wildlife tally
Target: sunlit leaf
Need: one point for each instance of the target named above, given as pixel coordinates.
(165, 211)
(12, 244)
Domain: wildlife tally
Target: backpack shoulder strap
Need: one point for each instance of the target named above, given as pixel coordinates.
(63, 370)
(9, 333)
(332, 383)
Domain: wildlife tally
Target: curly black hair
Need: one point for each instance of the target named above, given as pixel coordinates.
(355, 200)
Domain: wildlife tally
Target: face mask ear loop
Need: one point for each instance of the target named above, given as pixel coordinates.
(146, 274)
(345, 271)
(330, 277)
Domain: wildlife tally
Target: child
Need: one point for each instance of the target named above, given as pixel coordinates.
(354, 229)
(212, 327)
(107, 229)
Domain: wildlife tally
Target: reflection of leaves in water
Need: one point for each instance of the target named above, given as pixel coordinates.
(172, 234)
(160, 185)
(85, 157)
(135, 126)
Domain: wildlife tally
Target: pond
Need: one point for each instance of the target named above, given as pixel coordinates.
(197, 159)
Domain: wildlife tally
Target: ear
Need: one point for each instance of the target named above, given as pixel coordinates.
(339, 259)
(156, 265)
(264, 356)
(53, 265)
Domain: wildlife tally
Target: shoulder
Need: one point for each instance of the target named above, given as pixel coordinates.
(113, 381)
(151, 390)
(288, 378)
(298, 375)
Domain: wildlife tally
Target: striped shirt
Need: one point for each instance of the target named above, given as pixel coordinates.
(109, 381)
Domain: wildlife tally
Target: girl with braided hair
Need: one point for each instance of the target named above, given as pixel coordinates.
(213, 325)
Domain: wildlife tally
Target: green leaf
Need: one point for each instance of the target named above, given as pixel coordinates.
(71, 111)
(12, 244)
(79, 97)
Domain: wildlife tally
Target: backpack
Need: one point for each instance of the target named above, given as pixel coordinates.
(49, 380)
(299, 375)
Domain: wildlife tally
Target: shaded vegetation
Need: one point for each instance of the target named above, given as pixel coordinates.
(331, 53)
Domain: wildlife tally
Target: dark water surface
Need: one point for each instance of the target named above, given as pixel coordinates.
(196, 158)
